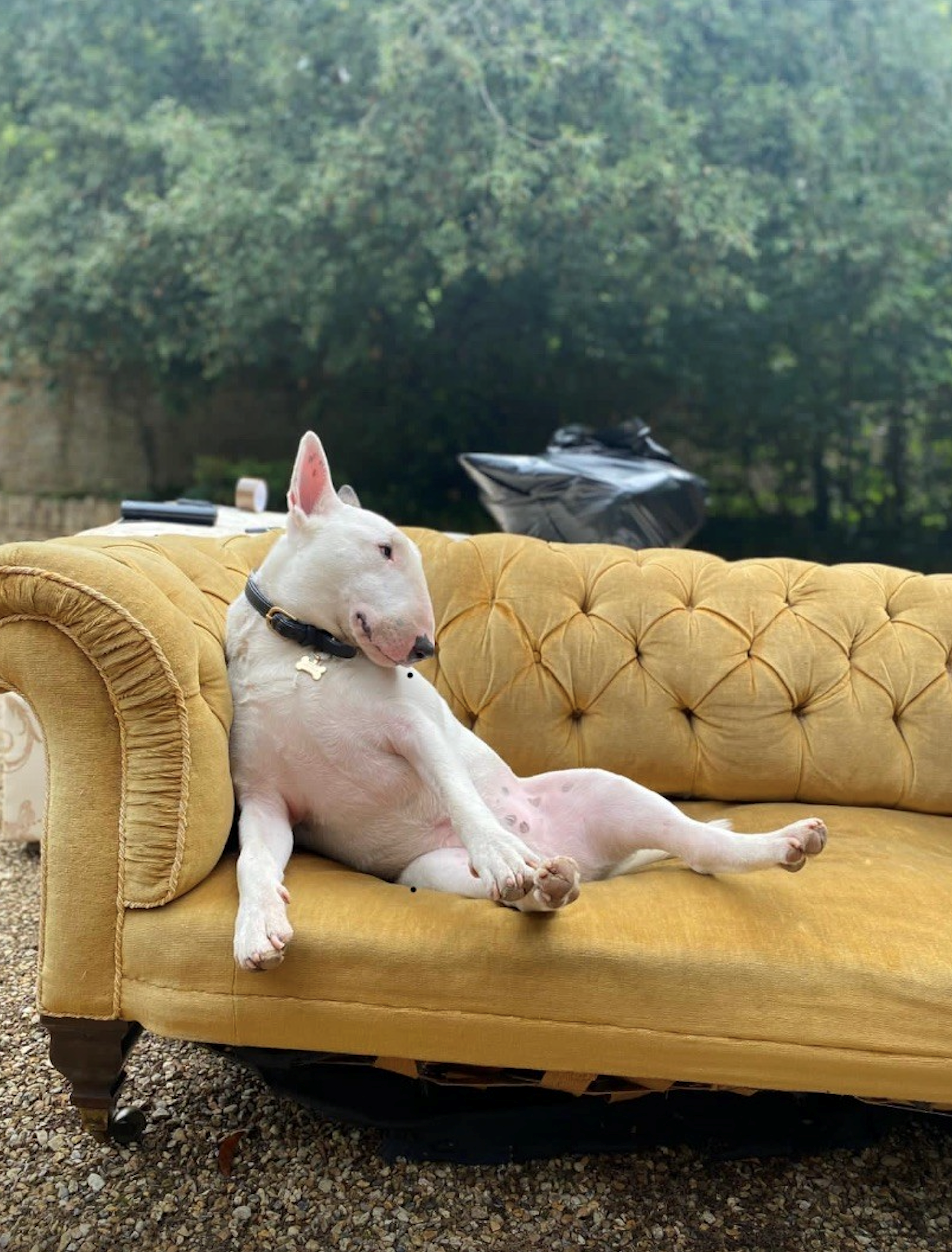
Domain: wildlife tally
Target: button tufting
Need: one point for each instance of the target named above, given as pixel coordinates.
(842, 660)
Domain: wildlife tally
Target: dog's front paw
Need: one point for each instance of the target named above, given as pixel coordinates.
(506, 866)
(262, 931)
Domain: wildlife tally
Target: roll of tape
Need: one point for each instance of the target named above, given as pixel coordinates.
(251, 494)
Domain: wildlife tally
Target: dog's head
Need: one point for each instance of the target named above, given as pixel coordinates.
(351, 571)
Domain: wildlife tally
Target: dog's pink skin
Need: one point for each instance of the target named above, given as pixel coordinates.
(368, 765)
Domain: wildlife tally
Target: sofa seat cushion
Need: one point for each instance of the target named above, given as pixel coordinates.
(834, 979)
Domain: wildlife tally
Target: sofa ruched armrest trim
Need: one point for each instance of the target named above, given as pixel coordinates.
(151, 713)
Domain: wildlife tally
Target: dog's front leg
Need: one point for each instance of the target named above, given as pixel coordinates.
(262, 930)
(497, 857)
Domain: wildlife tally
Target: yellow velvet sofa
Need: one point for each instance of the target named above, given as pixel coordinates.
(759, 690)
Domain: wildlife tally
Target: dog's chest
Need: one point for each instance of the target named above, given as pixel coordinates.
(323, 725)
(353, 796)
(316, 698)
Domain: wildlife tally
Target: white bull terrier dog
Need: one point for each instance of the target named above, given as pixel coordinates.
(338, 744)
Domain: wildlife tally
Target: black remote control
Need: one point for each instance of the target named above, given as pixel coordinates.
(189, 512)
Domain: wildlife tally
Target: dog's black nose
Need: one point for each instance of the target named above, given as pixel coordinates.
(422, 648)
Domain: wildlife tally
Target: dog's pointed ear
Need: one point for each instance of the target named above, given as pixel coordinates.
(347, 495)
(311, 490)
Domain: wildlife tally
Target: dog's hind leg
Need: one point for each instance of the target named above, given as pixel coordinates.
(262, 930)
(445, 869)
(612, 825)
(638, 861)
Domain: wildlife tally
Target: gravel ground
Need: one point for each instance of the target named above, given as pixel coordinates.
(298, 1182)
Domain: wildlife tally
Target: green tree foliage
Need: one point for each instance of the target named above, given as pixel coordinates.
(457, 225)
(831, 377)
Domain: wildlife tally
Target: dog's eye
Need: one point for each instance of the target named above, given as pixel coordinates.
(386, 551)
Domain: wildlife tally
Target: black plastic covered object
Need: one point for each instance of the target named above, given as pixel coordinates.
(607, 486)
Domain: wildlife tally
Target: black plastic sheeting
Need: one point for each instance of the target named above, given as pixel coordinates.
(609, 486)
(421, 1120)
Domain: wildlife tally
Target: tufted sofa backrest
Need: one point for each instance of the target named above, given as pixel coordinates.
(755, 680)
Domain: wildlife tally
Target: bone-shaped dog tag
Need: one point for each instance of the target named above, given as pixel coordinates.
(311, 665)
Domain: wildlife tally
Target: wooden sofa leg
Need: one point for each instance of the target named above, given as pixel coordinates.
(92, 1055)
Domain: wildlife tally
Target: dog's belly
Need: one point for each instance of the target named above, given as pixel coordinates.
(384, 850)
(377, 819)
(375, 833)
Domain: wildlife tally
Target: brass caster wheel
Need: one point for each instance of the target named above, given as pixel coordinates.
(96, 1122)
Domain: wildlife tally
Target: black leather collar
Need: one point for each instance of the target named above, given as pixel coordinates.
(289, 627)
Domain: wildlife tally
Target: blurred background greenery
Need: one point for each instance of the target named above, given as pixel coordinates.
(430, 228)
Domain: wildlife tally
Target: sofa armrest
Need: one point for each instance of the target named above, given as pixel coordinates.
(121, 658)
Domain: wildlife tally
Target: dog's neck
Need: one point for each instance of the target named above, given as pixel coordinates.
(304, 634)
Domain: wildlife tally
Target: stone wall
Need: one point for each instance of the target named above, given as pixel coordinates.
(44, 517)
(73, 434)
(123, 435)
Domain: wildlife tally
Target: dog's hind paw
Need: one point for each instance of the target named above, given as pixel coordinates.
(557, 883)
(804, 839)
